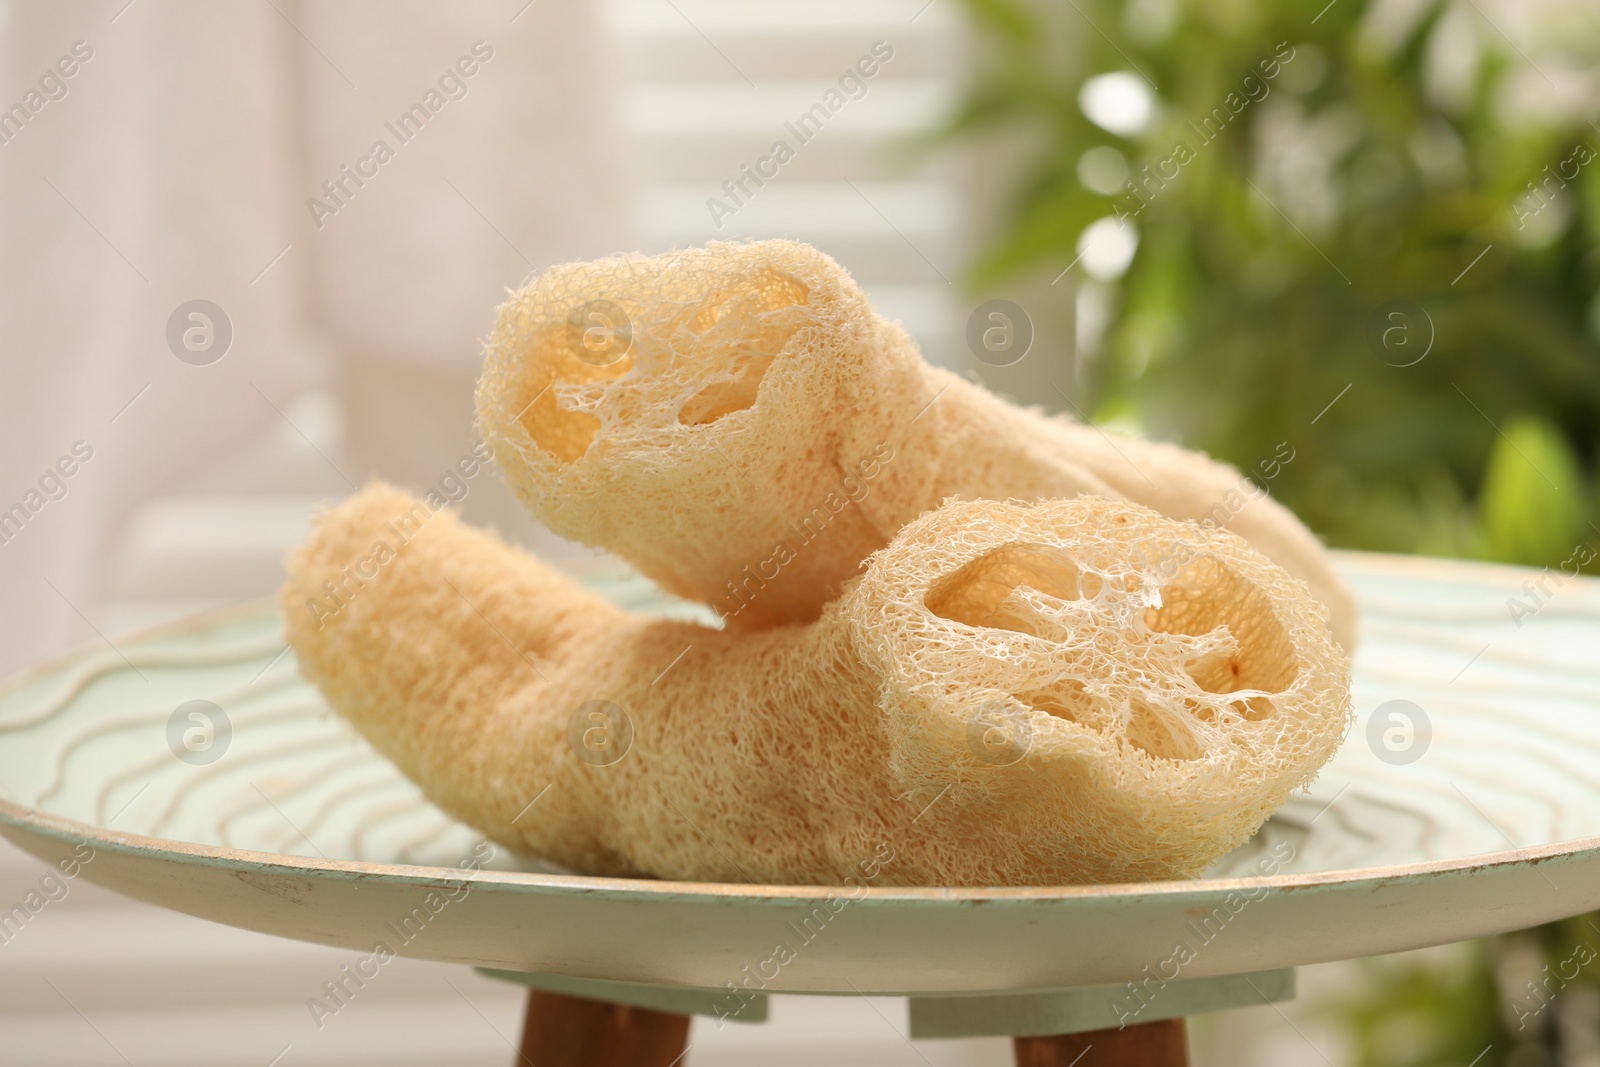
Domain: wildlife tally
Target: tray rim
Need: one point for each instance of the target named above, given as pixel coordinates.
(60, 828)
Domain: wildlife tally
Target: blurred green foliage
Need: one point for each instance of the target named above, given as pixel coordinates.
(1531, 505)
(1433, 1012)
(1324, 200)
(1529, 999)
(1352, 238)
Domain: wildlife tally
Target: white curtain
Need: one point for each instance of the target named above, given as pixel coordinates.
(163, 151)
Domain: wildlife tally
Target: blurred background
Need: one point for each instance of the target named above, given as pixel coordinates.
(1358, 233)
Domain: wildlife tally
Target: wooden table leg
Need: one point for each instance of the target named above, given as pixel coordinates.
(569, 1032)
(1157, 1044)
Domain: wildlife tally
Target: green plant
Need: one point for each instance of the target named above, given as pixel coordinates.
(1320, 222)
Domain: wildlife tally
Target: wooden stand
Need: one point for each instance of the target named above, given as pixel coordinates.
(564, 1031)
(570, 1032)
(1158, 1044)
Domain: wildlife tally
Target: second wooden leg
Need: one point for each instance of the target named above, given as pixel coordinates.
(1157, 1044)
(570, 1032)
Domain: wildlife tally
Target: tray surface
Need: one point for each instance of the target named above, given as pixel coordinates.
(1465, 801)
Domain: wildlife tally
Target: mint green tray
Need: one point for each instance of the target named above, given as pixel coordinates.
(301, 830)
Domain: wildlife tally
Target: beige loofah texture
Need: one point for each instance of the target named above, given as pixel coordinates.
(1169, 685)
(758, 430)
(1012, 694)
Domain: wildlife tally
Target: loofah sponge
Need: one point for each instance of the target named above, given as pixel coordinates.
(1064, 692)
(738, 423)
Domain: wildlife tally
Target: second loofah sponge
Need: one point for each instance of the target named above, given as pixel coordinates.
(1064, 692)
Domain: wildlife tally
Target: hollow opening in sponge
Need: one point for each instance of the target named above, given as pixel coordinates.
(738, 327)
(1206, 595)
(727, 339)
(1064, 699)
(554, 361)
(975, 593)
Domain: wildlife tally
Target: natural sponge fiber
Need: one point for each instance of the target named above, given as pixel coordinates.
(1065, 692)
(737, 422)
